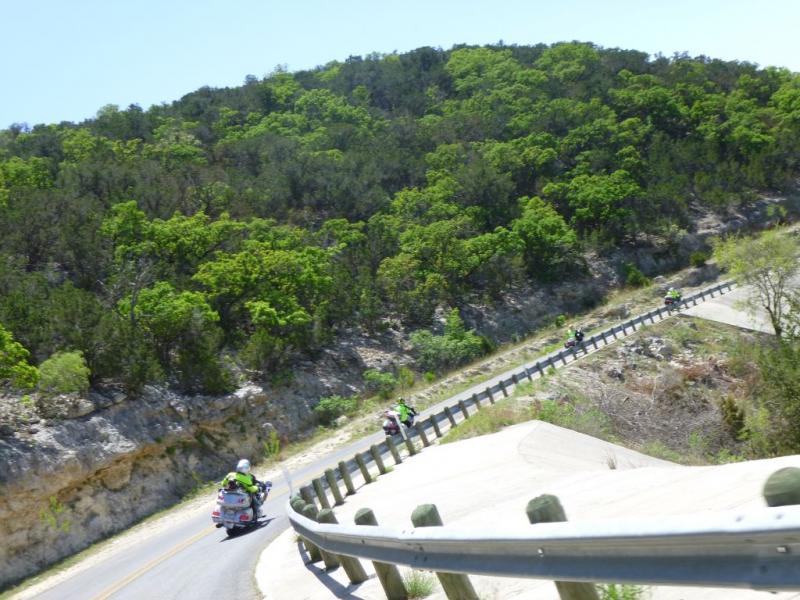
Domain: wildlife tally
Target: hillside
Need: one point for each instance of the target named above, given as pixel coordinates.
(220, 238)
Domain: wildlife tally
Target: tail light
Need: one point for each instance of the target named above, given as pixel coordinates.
(244, 517)
(215, 513)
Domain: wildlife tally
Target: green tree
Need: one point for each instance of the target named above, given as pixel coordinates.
(767, 264)
(64, 373)
(14, 367)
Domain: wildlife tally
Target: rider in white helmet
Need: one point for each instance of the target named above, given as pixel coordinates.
(245, 479)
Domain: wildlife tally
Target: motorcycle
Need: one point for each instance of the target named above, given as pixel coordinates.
(392, 424)
(575, 341)
(669, 301)
(235, 509)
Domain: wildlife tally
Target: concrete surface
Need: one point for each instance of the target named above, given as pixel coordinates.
(729, 309)
(490, 479)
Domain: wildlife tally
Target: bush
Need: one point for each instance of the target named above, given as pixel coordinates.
(332, 407)
(634, 277)
(698, 258)
(560, 320)
(64, 373)
(454, 348)
(380, 383)
(405, 378)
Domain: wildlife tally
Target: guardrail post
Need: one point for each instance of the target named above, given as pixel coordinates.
(603, 335)
(348, 481)
(320, 490)
(388, 574)
(450, 416)
(562, 357)
(539, 368)
(352, 566)
(783, 487)
(547, 509)
(454, 585)
(503, 388)
(614, 332)
(658, 310)
(330, 476)
(623, 329)
(376, 456)
(514, 379)
(306, 494)
(435, 424)
(309, 511)
(477, 401)
(528, 374)
(393, 450)
(462, 405)
(489, 395)
(420, 429)
(363, 467)
(412, 449)
(298, 504)
(593, 339)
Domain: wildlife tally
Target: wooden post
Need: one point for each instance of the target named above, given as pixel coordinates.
(603, 335)
(783, 487)
(393, 450)
(476, 401)
(489, 395)
(456, 586)
(363, 467)
(420, 429)
(450, 416)
(528, 373)
(306, 494)
(352, 566)
(314, 553)
(547, 509)
(435, 424)
(514, 379)
(320, 490)
(562, 356)
(376, 456)
(388, 574)
(412, 450)
(330, 477)
(503, 389)
(463, 406)
(539, 368)
(310, 512)
(298, 505)
(348, 481)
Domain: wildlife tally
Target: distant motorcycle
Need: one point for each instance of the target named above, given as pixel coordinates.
(235, 509)
(575, 341)
(670, 301)
(392, 424)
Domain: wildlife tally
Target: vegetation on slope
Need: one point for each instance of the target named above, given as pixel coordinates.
(237, 227)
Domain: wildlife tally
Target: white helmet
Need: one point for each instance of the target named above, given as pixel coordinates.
(243, 466)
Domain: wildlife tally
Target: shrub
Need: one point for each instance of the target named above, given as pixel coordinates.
(455, 347)
(405, 378)
(380, 383)
(560, 320)
(419, 584)
(63, 373)
(332, 407)
(634, 277)
(698, 258)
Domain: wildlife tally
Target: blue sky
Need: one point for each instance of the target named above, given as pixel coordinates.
(63, 60)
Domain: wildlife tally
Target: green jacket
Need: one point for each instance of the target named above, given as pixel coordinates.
(248, 481)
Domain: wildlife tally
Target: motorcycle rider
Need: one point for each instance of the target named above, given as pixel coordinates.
(404, 411)
(673, 295)
(571, 335)
(247, 481)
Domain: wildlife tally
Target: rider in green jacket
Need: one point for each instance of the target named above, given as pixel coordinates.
(245, 479)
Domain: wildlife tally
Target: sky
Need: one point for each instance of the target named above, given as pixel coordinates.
(63, 60)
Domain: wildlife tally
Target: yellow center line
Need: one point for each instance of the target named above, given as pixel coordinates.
(145, 568)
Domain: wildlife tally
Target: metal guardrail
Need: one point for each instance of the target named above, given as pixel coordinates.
(503, 385)
(758, 549)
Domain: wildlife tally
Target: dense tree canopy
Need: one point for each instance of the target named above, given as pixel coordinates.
(249, 222)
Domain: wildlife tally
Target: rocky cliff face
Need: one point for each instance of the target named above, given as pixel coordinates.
(74, 470)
